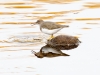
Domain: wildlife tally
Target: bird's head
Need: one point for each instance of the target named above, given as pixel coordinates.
(38, 22)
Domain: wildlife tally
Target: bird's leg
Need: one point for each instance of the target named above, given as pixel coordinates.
(51, 37)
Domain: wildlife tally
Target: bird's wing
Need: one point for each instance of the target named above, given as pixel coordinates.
(50, 25)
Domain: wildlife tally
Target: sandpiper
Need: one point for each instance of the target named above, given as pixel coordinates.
(48, 27)
(47, 51)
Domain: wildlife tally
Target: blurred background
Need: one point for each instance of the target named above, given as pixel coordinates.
(18, 37)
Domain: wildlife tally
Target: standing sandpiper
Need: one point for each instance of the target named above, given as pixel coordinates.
(48, 27)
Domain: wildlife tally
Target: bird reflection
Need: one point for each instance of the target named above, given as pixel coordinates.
(47, 51)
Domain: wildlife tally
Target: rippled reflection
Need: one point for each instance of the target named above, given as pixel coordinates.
(18, 37)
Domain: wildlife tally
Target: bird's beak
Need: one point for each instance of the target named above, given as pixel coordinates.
(33, 52)
(32, 24)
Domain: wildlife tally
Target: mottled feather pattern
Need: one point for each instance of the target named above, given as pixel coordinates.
(51, 25)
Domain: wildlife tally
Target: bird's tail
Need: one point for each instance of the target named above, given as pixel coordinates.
(65, 25)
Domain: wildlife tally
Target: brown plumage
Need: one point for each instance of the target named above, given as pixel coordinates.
(50, 28)
(50, 25)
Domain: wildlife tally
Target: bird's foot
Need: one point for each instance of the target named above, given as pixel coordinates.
(51, 37)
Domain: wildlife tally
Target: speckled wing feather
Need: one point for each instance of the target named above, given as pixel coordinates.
(51, 25)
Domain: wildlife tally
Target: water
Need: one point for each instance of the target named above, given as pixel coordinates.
(18, 37)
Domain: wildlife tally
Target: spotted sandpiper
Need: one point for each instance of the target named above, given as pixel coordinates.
(48, 27)
(47, 51)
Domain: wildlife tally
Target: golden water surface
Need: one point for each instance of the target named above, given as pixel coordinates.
(18, 37)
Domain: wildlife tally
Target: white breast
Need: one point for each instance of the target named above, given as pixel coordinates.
(53, 31)
(47, 50)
